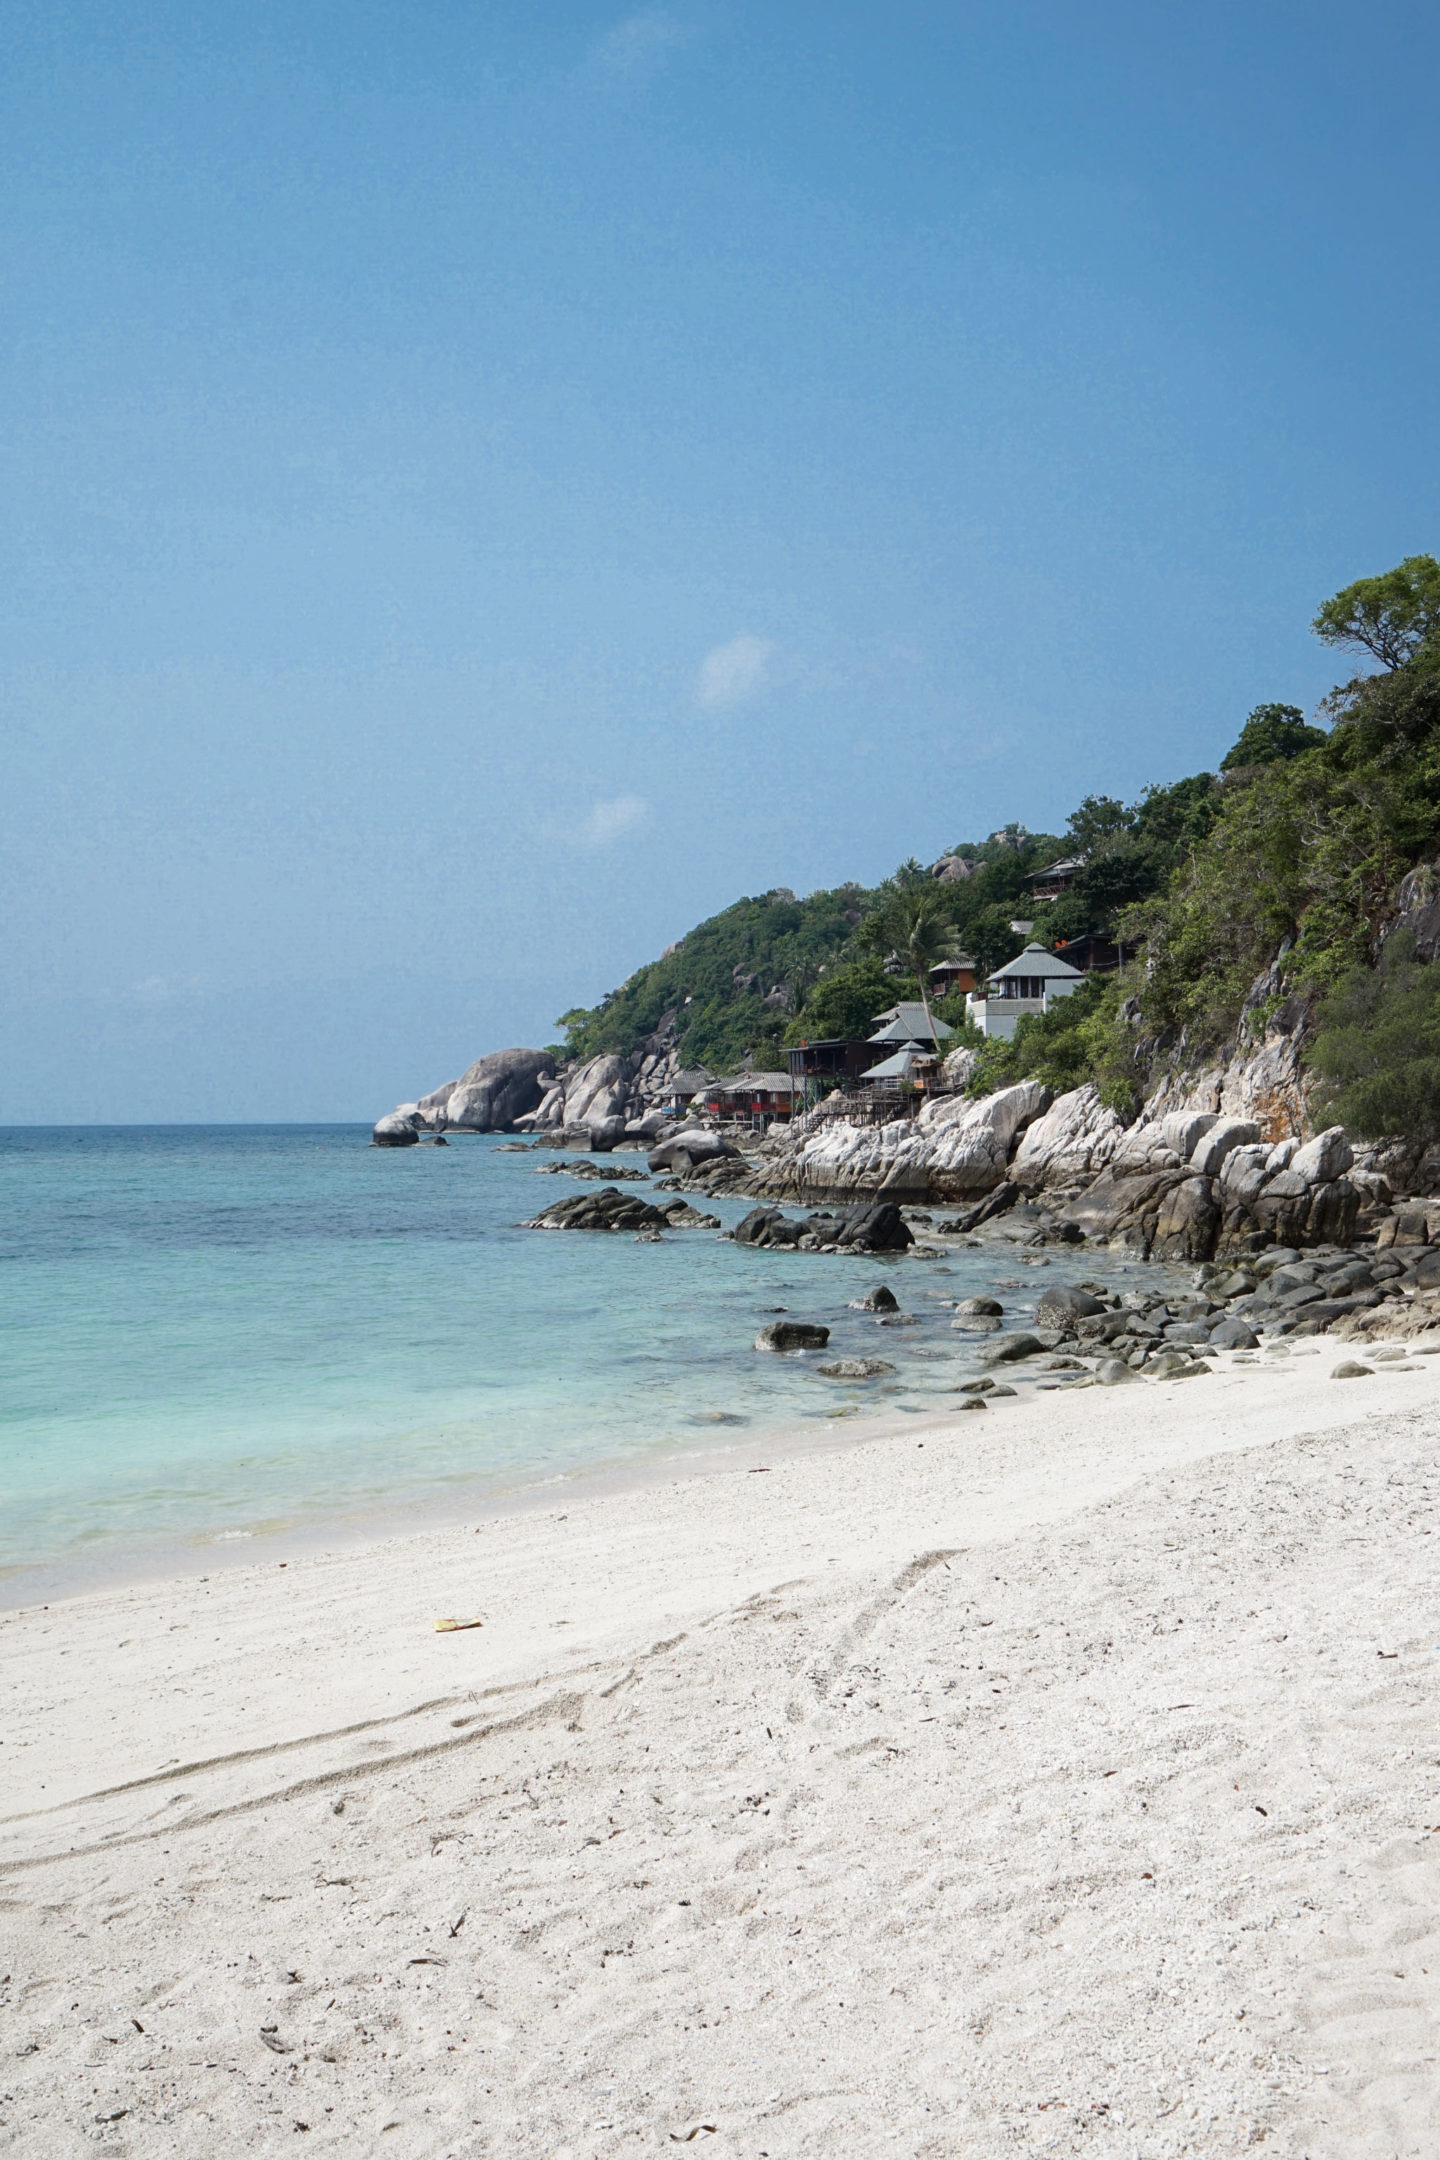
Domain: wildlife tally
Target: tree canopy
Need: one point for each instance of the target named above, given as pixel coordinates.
(1271, 734)
(1391, 616)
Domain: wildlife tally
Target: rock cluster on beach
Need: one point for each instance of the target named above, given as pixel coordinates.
(877, 1226)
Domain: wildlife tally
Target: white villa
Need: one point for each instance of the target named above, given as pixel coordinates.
(1029, 984)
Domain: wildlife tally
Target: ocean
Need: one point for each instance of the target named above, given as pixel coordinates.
(210, 1335)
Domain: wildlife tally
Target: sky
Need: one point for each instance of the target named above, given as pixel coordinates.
(487, 485)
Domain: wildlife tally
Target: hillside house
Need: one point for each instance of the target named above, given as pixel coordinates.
(1025, 987)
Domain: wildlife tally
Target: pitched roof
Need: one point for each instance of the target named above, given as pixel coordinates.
(897, 1067)
(906, 1022)
(1037, 959)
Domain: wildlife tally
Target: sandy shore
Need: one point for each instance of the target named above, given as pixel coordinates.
(1058, 1778)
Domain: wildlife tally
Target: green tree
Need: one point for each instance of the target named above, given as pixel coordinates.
(1391, 616)
(912, 923)
(1378, 1047)
(1271, 734)
(1098, 823)
(844, 1003)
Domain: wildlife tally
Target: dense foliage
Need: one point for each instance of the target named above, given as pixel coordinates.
(1378, 1054)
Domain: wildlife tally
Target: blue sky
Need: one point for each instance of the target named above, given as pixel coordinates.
(487, 485)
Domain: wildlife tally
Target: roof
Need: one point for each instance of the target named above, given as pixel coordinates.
(906, 1022)
(1036, 959)
(1068, 866)
(690, 1083)
(956, 961)
(897, 1067)
(777, 1083)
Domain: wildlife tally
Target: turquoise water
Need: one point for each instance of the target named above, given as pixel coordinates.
(208, 1334)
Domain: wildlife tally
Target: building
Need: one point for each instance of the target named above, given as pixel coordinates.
(956, 974)
(1056, 877)
(1094, 954)
(1030, 984)
(906, 1023)
(760, 1097)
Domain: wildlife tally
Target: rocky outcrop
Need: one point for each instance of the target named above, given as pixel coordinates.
(489, 1097)
(689, 1148)
(879, 1227)
(956, 1149)
(610, 1209)
(1076, 1138)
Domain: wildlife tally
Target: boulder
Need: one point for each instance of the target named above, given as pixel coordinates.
(597, 1090)
(983, 1307)
(1183, 1128)
(689, 1147)
(398, 1128)
(876, 1227)
(1061, 1304)
(1009, 1348)
(1187, 1222)
(954, 1150)
(788, 1335)
(881, 1299)
(491, 1094)
(855, 1368)
(1234, 1335)
(1327, 1157)
(1113, 1372)
(1351, 1369)
(1207, 1157)
(610, 1209)
(1074, 1138)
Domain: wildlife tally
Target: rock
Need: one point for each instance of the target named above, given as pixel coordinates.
(1184, 1128)
(1074, 1138)
(880, 1299)
(1352, 1369)
(610, 1209)
(997, 1391)
(977, 1324)
(1113, 1372)
(977, 1402)
(597, 1090)
(1062, 1304)
(975, 1387)
(1207, 1157)
(489, 1096)
(986, 1307)
(1187, 1222)
(955, 1149)
(876, 1227)
(605, 1132)
(1187, 1332)
(995, 1203)
(1325, 1158)
(855, 1368)
(767, 1227)
(898, 1319)
(397, 1129)
(689, 1147)
(1012, 1347)
(788, 1335)
(1234, 1335)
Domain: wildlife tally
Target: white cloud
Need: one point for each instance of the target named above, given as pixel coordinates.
(639, 43)
(734, 673)
(609, 820)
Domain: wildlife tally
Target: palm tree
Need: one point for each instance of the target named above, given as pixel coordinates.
(911, 923)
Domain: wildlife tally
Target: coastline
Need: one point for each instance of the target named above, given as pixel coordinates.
(811, 1638)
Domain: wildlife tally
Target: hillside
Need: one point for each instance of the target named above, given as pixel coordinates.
(1299, 878)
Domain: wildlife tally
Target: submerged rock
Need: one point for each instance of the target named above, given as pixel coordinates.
(855, 1368)
(610, 1209)
(788, 1335)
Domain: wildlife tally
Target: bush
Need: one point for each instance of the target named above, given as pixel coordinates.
(1378, 1048)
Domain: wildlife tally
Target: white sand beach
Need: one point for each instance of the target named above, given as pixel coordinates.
(1059, 1779)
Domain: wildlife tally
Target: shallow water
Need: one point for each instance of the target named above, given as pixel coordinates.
(207, 1333)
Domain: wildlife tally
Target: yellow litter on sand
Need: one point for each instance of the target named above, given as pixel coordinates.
(448, 1627)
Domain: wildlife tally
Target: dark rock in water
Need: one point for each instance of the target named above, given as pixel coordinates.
(767, 1227)
(975, 1387)
(983, 1307)
(610, 1209)
(898, 1319)
(584, 1169)
(1011, 1347)
(977, 1323)
(395, 1130)
(786, 1335)
(855, 1368)
(1061, 1304)
(881, 1299)
(871, 1226)
(995, 1203)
